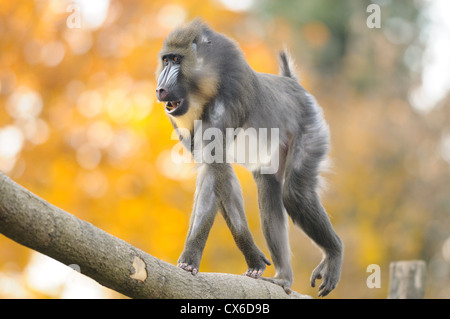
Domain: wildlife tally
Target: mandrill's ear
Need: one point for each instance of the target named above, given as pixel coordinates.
(194, 48)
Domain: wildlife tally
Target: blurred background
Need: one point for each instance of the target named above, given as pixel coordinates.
(80, 127)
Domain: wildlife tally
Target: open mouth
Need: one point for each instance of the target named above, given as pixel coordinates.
(173, 105)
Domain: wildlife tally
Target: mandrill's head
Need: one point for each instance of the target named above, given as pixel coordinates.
(187, 78)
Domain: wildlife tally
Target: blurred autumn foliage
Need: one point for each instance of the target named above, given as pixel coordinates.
(80, 127)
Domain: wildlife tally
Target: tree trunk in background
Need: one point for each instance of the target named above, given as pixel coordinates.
(407, 279)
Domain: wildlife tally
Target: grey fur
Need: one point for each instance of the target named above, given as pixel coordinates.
(254, 100)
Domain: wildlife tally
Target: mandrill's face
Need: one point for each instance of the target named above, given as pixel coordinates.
(186, 77)
(170, 88)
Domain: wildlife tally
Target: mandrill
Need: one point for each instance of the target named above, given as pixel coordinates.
(203, 78)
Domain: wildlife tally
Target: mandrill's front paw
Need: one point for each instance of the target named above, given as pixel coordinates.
(255, 272)
(257, 266)
(188, 267)
(189, 261)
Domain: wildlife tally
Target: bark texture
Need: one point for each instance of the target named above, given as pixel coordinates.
(112, 262)
(407, 279)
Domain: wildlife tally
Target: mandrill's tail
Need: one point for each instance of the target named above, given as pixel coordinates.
(287, 65)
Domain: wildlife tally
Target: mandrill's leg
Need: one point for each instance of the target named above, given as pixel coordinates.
(202, 219)
(232, 208)
(218, 187)
(274, 225)
(302, 203)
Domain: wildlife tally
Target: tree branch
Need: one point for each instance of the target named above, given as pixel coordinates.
(33, 222)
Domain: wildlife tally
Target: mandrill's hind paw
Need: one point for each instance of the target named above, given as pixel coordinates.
(283, 283)
(329, 271)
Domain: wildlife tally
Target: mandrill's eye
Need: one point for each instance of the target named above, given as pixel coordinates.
(165, 61)
(176, 59)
